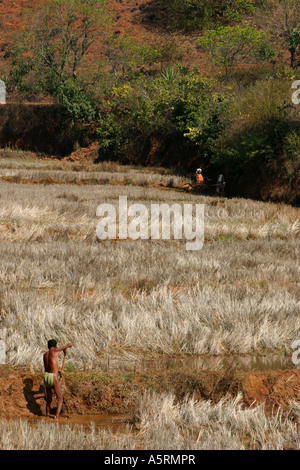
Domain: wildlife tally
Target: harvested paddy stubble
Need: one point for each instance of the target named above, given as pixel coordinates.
(106, 307)
(161, 422)
(120, 302)
(123, 298)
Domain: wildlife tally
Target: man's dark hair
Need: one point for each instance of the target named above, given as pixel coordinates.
(52, 343)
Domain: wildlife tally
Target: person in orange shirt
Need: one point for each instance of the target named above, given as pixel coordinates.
(199, 178)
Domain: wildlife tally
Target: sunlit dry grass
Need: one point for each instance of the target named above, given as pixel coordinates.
(239, 294)
(190, 424)
(160, 422)
(21, 435)
(63, 172)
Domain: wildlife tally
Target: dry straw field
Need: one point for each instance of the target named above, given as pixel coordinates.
(161, 423)
(121, 301)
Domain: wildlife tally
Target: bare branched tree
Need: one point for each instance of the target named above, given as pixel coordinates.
(284, 23)
(62, 32)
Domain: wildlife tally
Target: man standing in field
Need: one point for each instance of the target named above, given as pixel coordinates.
(51, 379)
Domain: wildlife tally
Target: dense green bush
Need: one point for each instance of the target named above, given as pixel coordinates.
(170, 104)
(261, 129)
(76, 101)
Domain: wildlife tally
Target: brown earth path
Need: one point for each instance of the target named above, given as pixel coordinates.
(22, 392)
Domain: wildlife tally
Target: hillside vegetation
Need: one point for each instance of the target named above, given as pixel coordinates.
(174, 83)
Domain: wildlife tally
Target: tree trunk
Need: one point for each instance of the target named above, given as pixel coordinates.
(292, 50)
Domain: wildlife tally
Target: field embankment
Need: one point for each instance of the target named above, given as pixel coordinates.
(87, 393)
(35, 127)
(178, 410)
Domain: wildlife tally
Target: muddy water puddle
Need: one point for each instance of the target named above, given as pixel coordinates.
(107, 422)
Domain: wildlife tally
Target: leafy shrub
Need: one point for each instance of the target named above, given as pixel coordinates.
(258, 131)
(77, 103)
(171, 104)
(230, 46)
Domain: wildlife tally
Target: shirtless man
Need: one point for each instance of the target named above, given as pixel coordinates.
(51, 380)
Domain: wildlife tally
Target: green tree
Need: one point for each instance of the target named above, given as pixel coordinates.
(169, 105)
(60, 33)
(49, 56)
(260, 131)
(230, 46)
(127, 56)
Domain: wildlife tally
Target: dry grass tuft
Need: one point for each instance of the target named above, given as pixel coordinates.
(163, 423)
